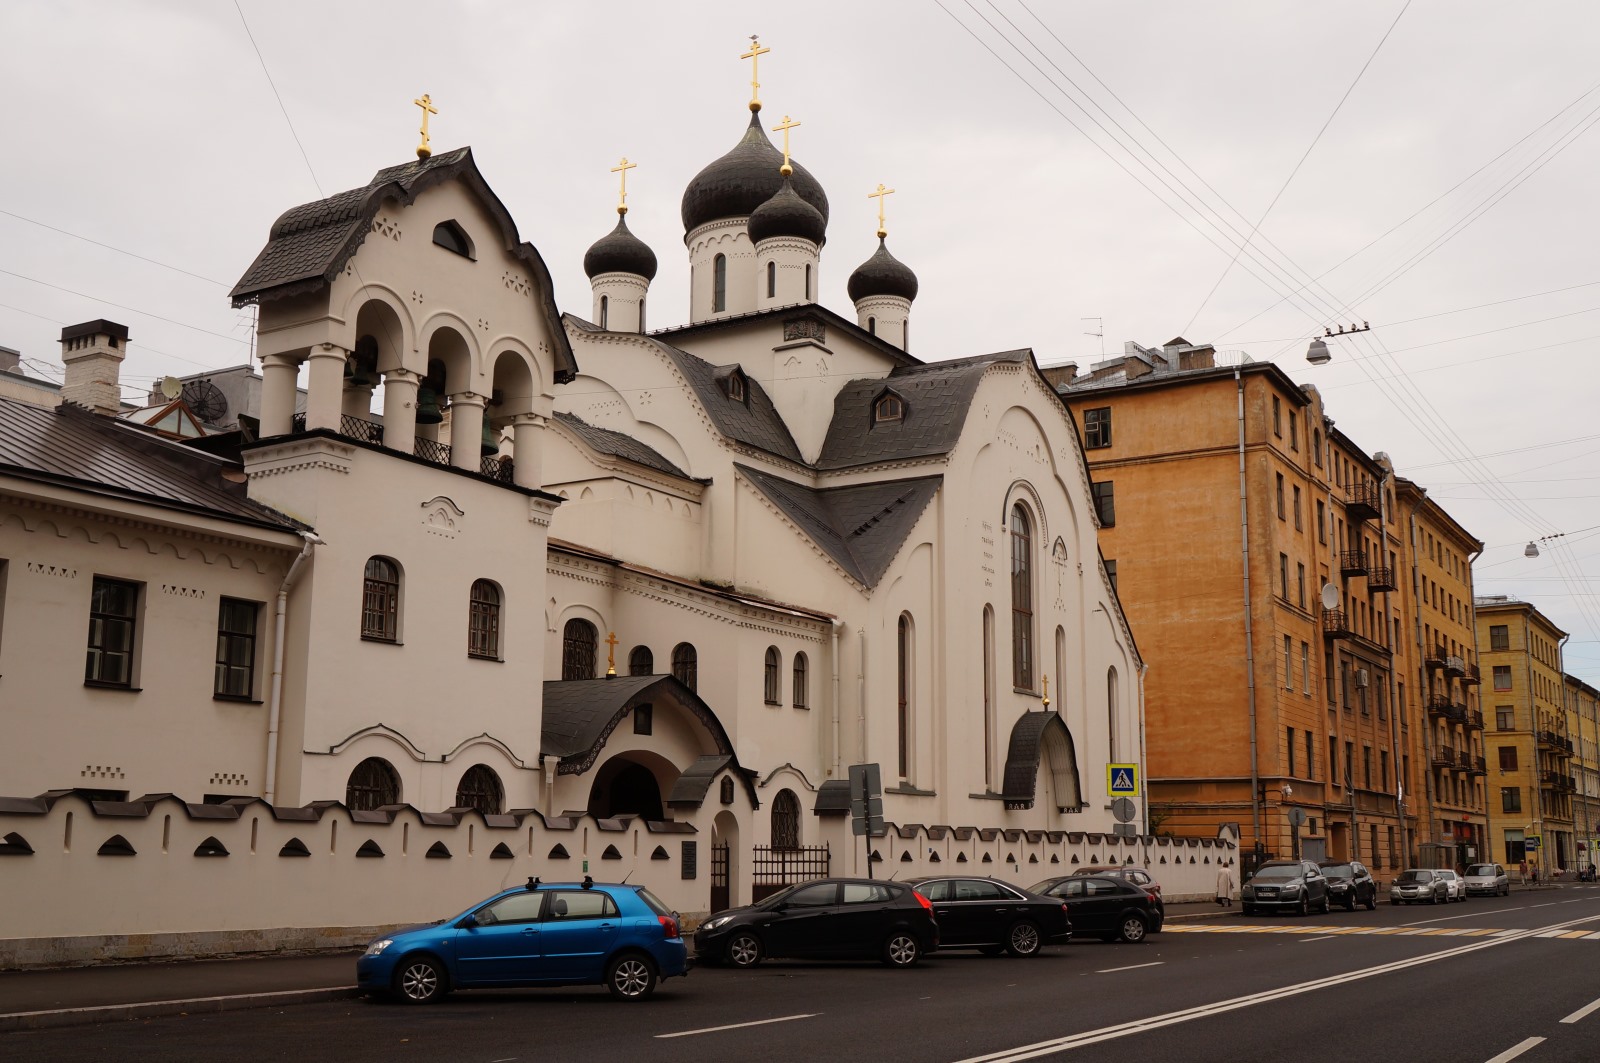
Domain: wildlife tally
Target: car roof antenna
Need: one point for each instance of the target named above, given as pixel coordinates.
(625, 879)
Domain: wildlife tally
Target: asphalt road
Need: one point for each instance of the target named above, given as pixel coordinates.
(1465, 982)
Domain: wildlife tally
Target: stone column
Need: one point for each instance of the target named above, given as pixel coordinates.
(278, 373)
(358, 401)
(400, 410)
(325, 390)
(466, 430)
(527, 433)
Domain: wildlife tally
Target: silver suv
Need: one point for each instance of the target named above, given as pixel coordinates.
(1488, 878)
(1418, 885)
(1285, 885)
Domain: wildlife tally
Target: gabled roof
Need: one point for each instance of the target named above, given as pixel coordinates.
(605, 441)
(936, 396)
(754, 422)
(308, 245)
(861, 527)
(785, 312)
(69, 445)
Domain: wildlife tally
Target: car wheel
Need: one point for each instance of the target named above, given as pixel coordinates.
(1372, 902)
(421, 980)
(1023, 940)
(1132, 930)
(1247, 909)
(1327, 904)
(1305, 907)
(1350, 905)
(902, 949)
(631, 976)
(744, 949)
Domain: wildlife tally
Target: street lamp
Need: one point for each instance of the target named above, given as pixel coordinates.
(1318, 353)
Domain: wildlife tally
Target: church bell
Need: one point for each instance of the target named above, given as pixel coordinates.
(428, 411)
(491, 440)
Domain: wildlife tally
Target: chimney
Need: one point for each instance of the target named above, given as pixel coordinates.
(1198, 358)
(10, 360)
(93, 353)
(1060, 376)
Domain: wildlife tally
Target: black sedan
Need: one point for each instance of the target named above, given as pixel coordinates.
(1350, 884)
(993, 916)
(1110, 908)
(831, 918)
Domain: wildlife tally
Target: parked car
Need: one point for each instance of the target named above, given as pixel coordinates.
(831, 918)
(1455, 885)
(541, 934)
(1137, 875)
(994, 916)
(1488, 878)
(1417, 885)
(1285, 885)
(1350, 884)
(1098, 905)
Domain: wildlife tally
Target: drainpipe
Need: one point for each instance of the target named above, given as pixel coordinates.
(838, 754)
(1481, 838)
(275, 699)
(1425, 685)
(861, 694)
(1249, 633)
(1389, 638)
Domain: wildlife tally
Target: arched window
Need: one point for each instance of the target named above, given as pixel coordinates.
(1021, 598)
(769, 676)
(802, 695)
(772, 279)
(903, 694)
(1060, 683)
(1111, 713)
(988, 698)
(889, 407)
(808, 282)
(786, 820)
(372, 785)
(578, 642)
(641, 314)
(452, 237)
(483, 620)
(605, 309)
(736, 389)
(380, 603)
(719, 284)
(725, 790)
(641, 661)
(685, 664)
(480, 789)
(872, 325)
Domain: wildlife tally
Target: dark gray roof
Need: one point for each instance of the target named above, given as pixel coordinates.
(605, 441)
(743, 179)
(1039, 737)
(619, 251)
(936, 396)
(861, 527)
(786, 214)
(762, 318)
(72, 446)
(882, 274)
(308, 245)
(833, 798)
(754, 421)
(695, 782)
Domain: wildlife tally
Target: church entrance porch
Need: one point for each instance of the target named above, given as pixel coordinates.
(625, 787)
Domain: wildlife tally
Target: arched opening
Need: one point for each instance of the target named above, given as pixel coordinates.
(802, 683)
(786, 821)
(770, 671)
(625, 787)
(988, 698)
(483, 620)
(719, 284)
(724, 861)
(372, 785)
(1111, 714)
(641, 661)
(480, 788)
(903, 694)
(605, 309)
(872, 325)
(772, 280)
(578, 642)
(1021, 598)
(685, 665)
(378, 320)
(380, 600)
(1060, 701)
(452, 237)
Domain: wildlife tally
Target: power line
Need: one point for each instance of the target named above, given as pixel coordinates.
(275, 95)
(120, 306)
(118, 250)
(141, 346)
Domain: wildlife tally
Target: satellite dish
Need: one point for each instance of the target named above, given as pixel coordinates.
(1330, 596)
(206, 401)
(171, 387)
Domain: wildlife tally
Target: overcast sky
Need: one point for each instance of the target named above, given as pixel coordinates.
(152, 127)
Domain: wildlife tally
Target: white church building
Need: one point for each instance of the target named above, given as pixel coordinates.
(574, 596)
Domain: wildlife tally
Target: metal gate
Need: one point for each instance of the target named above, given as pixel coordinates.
(719, 876)
(773, 869)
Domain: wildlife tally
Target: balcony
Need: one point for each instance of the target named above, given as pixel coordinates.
(1475, 719)
(1363, 501)
(1435, 655)
(1478, 767)
(1335, 625)
(1440, 707)
(1381, 578)
(1562, 747)
(1472, 676)
(1454, 665)
(1557, 781)
(494, 466)
(1444, 757)
(1352, 563)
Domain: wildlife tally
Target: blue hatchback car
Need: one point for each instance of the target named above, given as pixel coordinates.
(541, 934)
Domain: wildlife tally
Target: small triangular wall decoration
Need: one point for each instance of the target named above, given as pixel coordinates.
(370, 848)
(559, 852)
(611, 853)
(438, 851)
(117, 845)
(660, 853)
(211, 847)
(502, 852)
(294, 847)
(961, 858)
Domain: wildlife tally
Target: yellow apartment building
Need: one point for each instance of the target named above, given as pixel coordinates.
(1583, 727)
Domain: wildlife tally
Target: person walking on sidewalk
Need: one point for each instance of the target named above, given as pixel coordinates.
(1224, 887)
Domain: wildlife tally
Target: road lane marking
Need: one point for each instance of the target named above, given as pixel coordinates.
(1516, 1050)
(736, 1025)
(1135, 967)
(1546, 904)
(1324, 937)
(1582, 1012)
(1469, 915)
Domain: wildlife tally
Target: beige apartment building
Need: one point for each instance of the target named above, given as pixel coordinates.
(1583, 725)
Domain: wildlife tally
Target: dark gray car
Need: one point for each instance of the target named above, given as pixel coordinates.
(1286, 886)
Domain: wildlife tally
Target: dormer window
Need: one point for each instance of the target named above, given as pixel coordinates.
(888, 406)
(736, 387)
(452, 237)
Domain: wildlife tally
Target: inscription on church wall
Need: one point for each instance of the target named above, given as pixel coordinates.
(986, 540)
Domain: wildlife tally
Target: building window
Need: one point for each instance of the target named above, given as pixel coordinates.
(685, 665)
(872, 326)
(483, 620)
(1499, 637)
(1021, 598)
(380, 606)
(641, 661)
(236, 649)
(1322, 523)
(769, 684)
(1505, 718)
(786, 821)
(1291, 751)
(1508, 758)
(1288, 663)
(1311, 755)
(889, 407)
(1300, 576)
(1283, 576)
(1511, 799)
(641, 313)
(772, 279)
(1298, 522)
(903, 695)
(1333, 765)
(1366, 766)
(579, 641)
(988, 698)
(372, 785)
(719, 284)
(452, 237)
(1111, 573)
(1111, 715)
(808, 282)
(1097, 427)
(1105, 502)
(605, 310)
(1383, 764)
(736, 386)
(1282, 510)
(1277, 417)
(480, 789)
(1294, 430)
(1305, 666)
(1502, 677)
(1349, 763)
(801, 695)
(644, 719)
(113, 607)
(1316, 446)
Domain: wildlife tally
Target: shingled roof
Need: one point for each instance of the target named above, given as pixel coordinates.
(70, 445)
(936, 397)
(754, 421)
(308, 245)
(605, 441)
(861, 527)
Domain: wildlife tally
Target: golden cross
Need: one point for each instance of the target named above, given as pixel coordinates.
(622, 168)
(754, 55)
(611, 652)
(786, 125)
(878, 194)
(1043, 677)
(426, 103)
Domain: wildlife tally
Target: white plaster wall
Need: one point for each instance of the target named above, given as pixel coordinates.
(791, 256)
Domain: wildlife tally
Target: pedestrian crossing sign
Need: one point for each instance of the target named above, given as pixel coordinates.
(1122, 780)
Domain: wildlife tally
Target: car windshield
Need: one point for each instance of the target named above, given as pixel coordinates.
(776, 899)
(1415, 876)
(1484, 870)
(1445, 874)
(1281, 873)
(1338, 871)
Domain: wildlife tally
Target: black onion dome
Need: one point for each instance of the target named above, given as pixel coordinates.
(882, 274)
(743, 179)
(786, 214)
(619, 251)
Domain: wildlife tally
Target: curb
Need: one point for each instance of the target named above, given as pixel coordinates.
(42, 1020)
